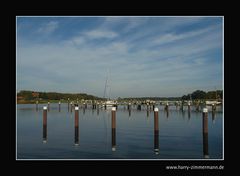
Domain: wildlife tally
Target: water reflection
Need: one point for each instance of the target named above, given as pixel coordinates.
(213, 116)
(189, 114)
(96, 140)
(76, 124)
(113, 129)
(156, 142)
(205, 132)
(44, 124)
(156, 132)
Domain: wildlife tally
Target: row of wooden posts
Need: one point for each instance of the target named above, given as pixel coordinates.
(129, 106)
(113, 124)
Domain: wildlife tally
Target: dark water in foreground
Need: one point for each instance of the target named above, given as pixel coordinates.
(180, 134)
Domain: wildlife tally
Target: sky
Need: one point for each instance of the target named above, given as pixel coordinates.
(139, 56)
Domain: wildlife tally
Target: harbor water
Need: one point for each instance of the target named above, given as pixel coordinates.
(180, 133)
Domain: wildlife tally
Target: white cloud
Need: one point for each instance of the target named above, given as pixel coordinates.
(99, 33)
(48, 28)
(172, 37)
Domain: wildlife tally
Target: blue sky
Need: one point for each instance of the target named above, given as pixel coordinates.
(146, 56)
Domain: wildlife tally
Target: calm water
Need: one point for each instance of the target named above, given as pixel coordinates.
(180, 134)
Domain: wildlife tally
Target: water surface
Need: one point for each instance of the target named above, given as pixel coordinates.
(180, 134)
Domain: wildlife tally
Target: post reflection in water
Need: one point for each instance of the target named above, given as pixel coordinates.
(156, 132)
(83, 110)
(76, 126)
(205, 133)
(44, 124)
(213, 116)
(114, 129)
(189, 114)
(36, 105)
(129, 112)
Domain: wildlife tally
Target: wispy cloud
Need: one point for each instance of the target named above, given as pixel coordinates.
(96, 34)
(173, 37)
(48, 28)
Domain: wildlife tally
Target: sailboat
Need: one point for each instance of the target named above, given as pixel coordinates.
(108, 102)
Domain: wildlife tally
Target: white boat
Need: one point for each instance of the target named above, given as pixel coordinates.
(109, 103)
(213, 102)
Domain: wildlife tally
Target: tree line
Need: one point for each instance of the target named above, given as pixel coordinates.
(196, 95)
(31, 95)
(199, 94)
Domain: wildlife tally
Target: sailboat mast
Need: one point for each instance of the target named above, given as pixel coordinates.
(106, 87)
(104, 95)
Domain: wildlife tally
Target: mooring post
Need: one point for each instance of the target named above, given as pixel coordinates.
(129, 106)
(189, 107)
(113, 128)
(139, 107)
(48, 106)
(76, 124)
(44, 124)
(213, 107)
(166, 107)
(59, 106)
(189, 110)
(205, 132)
(156, 132)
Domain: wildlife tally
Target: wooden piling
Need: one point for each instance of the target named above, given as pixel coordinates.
(213, 107)
(129, 106)
(139, 107)
(71, 107)
(189, 107)
(205, 133)
(156, 131)
(44, 124)
(166, 107)
(48, 106)
(113, 128)
(189, 110)
(76, 125)
(59, 106)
